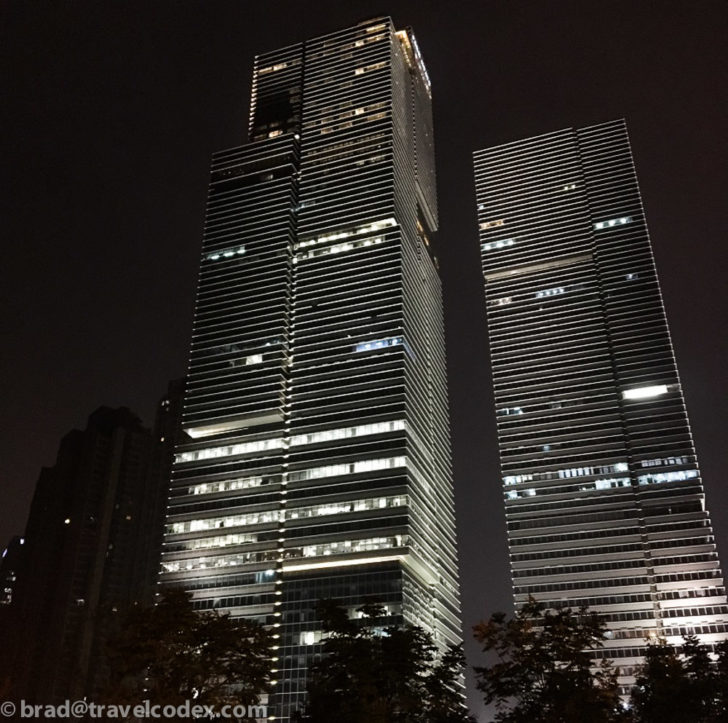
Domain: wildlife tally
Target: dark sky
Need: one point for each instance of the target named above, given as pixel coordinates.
(110, 111)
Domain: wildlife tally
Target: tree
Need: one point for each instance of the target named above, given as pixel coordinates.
(680, 684)
(660, 687)
(369, 674)
(721, 680)
(543, 668)
(170, 653)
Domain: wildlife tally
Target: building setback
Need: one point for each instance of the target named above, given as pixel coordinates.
(603, 495)
(317, 463)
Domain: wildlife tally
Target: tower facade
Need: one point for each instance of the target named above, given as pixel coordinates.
(317, 458)
(603, 495)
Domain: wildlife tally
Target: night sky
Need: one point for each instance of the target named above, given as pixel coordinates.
(110, 111)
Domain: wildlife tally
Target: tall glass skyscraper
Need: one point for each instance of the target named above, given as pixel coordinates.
(604, 501)
(317, 463)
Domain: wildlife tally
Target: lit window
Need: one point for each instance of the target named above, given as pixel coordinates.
(549, 292)
(344, 547)
(518, 494)
(517, 479)
(371, 465)
(334, 470)
(225, 485)
(645, 392)
(663, 462)
(509, 410)
(568, 473)
(229, 450)
(309, 637)
(272, 68)
(205, 543)
(492, 224)
(346, 233)
(214, 523)
(611, 483)
(225, 253)
(612, 222)
(338, 508)
(253, 359)
(379, 344)
(498, 244)
(368, 68)
(338, 248)
(199, 562)
(360, 430)
(569, 187)
(647, 479)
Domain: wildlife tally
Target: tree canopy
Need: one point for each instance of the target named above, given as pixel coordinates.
(543, 669)
(170, 653)
(540, 668)
(681, 684)
(374, 674)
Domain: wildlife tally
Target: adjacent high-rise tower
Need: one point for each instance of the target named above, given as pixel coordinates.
(85, 556)
(604, 501)
(317, 463)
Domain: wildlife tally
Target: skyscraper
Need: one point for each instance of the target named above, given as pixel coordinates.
(82, 559)
(603, 496)
(317, 463)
